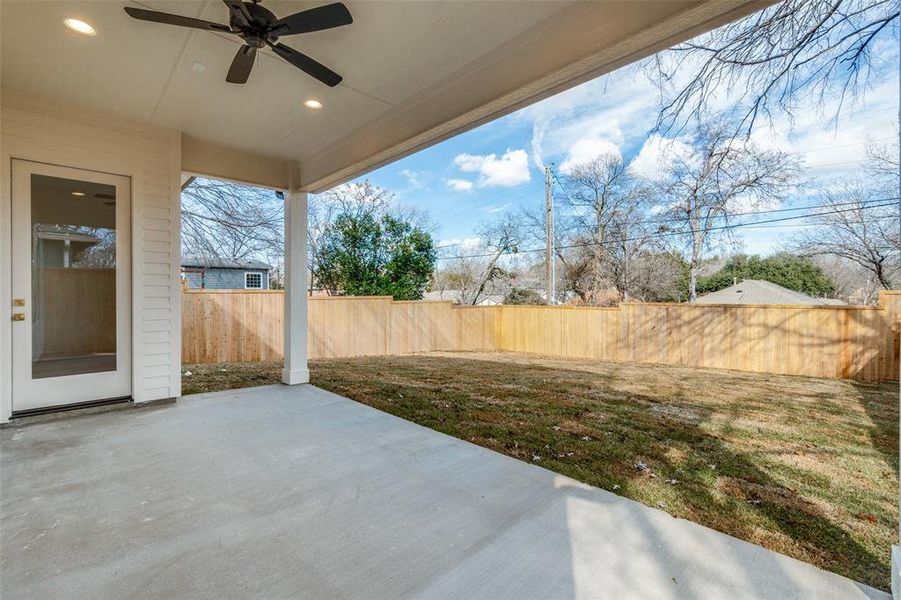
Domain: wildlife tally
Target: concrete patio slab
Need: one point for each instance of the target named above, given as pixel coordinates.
(294, 492)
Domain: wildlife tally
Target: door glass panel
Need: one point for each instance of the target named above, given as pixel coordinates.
(73, 277)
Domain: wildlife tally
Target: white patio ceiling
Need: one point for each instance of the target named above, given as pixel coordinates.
(414, 72)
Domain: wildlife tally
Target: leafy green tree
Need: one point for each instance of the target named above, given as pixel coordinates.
(793, 272)
(370, 255)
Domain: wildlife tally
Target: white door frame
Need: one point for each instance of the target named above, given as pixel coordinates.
(29, 393)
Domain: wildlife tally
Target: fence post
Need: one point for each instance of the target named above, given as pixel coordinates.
(890, 300)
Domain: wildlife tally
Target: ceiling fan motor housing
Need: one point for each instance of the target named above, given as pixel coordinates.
(257, 34)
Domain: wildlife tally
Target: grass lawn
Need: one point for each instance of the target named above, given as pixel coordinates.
(807, 467)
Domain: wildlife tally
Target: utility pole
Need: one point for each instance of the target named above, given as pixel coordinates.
(549, 258)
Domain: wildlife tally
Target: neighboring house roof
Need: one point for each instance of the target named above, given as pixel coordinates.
(55, 232)
(491, 300)
(449, 295)
(455, 295)
(217, 262)
(756, 291)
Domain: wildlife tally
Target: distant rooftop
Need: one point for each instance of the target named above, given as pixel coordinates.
(456, 296)
(64, 232)
(756, 291)
(218, 262)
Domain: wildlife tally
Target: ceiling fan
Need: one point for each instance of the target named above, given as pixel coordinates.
(259, 28)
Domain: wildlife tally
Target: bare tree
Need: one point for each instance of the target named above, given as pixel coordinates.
(571, 266)
(602, 229)
(101, 255)
(853, 283)
(883, 164)
(704, 189)
(770, 61)
(320, 216)
(858, 225)
(631, 240)
(355, 199)
(577, 273)
(456, 277)
(602, 209)
(856, 234)
(223, 219)
(655, 274)
(472, 273)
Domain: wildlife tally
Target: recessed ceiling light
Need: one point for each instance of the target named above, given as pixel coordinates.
(79, 26)
(313, 104)
(78, 193)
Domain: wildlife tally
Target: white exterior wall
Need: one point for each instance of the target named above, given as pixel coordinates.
(41, 131)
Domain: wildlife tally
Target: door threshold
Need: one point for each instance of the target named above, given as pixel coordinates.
(62, 408)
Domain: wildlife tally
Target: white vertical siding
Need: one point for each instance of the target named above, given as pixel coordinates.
(41, 131)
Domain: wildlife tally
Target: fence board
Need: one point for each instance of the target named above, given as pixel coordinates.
(856, 342)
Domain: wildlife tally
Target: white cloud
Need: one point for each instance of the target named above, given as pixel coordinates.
(459, 185)
(463, 243)
(539, 129)
(509, 170)
(413, 177)
(616, 107)
(658, 154)
(587, 149)
(497, 208)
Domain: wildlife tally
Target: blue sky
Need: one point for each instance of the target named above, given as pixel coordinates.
(481, 174)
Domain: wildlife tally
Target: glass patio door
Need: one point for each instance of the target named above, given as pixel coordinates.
(71, 286)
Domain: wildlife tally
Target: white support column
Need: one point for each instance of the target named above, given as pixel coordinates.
(295, 370)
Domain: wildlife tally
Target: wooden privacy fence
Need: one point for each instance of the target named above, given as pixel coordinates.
(74, 311)
(240, 325)
(855, 342)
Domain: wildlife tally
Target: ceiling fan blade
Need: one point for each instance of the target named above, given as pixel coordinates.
(315, 19)
(168, 19)
(239, 12)
(241, 65)
(307, 65)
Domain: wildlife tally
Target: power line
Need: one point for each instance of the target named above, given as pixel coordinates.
(677, 233)
(778, 210)
(746, 213)
(666, 220)
(796, 225)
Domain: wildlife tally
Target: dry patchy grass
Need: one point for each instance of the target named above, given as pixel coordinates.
(807, 467)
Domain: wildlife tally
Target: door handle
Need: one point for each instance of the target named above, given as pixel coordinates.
(18, 316)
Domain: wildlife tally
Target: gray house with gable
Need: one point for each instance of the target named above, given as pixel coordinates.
(217, 273)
